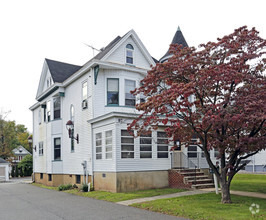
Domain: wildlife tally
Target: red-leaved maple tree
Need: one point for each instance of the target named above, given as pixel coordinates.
(216, 93)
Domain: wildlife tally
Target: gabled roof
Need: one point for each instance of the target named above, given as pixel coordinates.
(20, 150)
(178, 39)
(106, 49)
(61, 71)
(2, 160)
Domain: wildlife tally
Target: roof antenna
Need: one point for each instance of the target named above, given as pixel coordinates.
(93, 48)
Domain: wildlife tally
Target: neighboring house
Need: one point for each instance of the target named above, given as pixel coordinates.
(4, 170)
(19, 152)
(96, 99)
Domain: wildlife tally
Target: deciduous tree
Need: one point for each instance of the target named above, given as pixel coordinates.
(216, 93)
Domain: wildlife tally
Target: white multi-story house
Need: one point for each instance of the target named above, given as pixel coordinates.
(95, 100)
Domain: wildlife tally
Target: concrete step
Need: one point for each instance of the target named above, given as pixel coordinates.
(186, 170)
(198, 177)
(205, 181)
(203, 186)
(198, 173)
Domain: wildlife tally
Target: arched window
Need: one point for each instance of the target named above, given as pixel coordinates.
(129, 54)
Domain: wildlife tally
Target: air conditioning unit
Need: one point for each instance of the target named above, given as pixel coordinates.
(84, 104)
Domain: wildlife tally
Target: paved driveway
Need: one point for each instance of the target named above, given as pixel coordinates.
(26, 202)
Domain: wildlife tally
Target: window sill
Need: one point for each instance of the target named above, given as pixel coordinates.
(57, 160)
(121, 106)
(130, 64)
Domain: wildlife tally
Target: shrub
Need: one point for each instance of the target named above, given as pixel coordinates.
(85, 187)
(75, 186)
(64, 187)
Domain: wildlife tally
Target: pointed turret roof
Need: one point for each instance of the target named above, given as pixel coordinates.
(178, 39)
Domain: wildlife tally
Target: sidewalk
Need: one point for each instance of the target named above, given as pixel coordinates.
(189, 193)
(240, 193)
(16, 180)
(146, 199)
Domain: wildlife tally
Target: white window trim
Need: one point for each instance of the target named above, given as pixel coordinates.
(133, 53)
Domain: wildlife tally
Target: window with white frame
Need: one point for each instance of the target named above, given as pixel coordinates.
(108, 145)
(127, 144)
(98, 144)
(146, 145)
(84, 95)
(162, 144)
(130, 99)
(40, 116)
(40, 148)
(57, 148)
(48, 111)
(129, 54)
(112, 91)
(57, 108)
(192, 150)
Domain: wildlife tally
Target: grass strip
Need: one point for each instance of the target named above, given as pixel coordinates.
(207, 206)
(249, 183)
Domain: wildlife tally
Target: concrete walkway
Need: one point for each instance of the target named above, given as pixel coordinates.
(240, 193)
(174, 195)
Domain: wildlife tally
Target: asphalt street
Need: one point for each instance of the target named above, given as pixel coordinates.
(28, 202)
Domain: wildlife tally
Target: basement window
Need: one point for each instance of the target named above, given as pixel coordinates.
(77, 179)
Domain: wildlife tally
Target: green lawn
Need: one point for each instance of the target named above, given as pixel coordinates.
(116, 197)
(207, 206)
(249, 183)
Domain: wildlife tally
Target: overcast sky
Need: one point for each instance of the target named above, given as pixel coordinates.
(32, 30)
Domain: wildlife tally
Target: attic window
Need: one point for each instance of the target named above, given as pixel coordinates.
(129, 54)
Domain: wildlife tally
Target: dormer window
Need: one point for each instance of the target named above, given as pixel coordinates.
(129, 54)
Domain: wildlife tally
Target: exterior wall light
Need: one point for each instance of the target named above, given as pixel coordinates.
(70, 128)
(30, 142)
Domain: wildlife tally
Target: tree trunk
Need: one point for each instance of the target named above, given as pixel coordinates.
(226, 197)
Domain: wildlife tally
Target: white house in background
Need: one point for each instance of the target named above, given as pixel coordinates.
(4, 170)
(96, 99)
(19, 152)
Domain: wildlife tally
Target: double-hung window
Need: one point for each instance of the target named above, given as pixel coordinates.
(112, 91)
(130, 99)
(127, 144)
(84, 95)
(146, 145)
(108, 144)
(48, 111)
(162, 145)
(57, 108)
(192, 149)
(98, 146)
(41, 148)
(129, 54)
(57, 149)
(40, 116)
